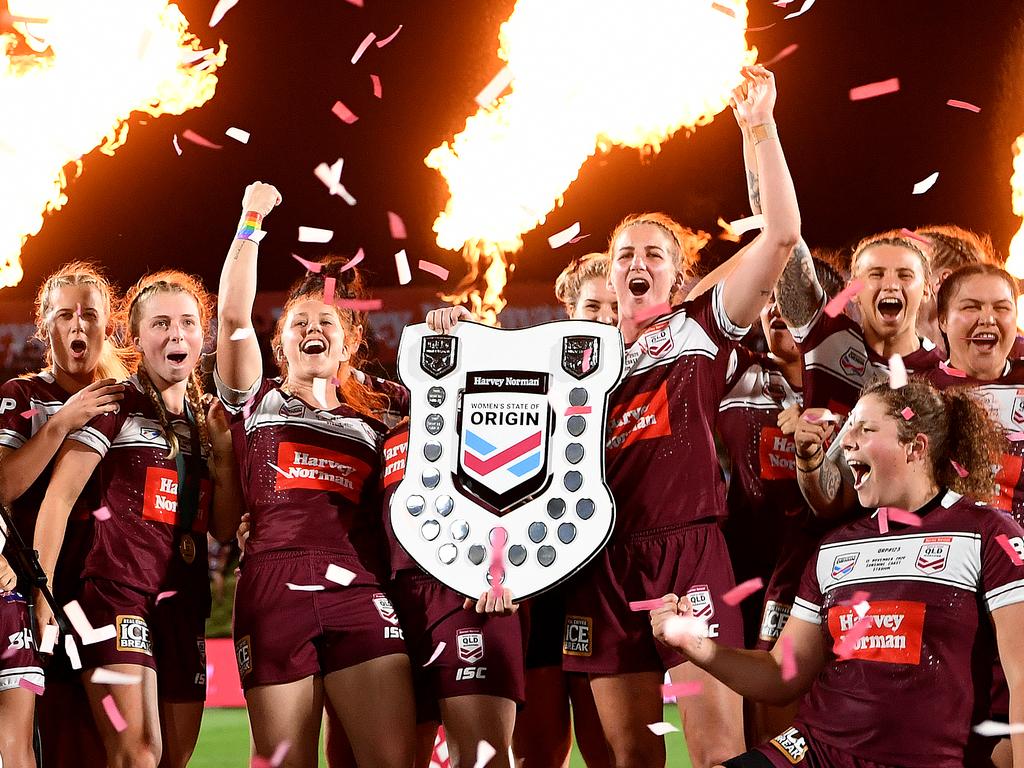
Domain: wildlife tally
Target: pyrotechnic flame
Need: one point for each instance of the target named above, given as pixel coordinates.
(1015, 261)
(70, 84)
(588, 75)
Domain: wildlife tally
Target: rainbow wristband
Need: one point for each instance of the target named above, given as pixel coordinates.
(250, 226)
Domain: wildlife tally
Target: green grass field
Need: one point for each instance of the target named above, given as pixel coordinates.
(224, 741)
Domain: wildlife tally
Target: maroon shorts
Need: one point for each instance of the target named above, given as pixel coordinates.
(283, 635)
(800, 547)
(794, 746)
(546, 628)
(483, 655)
(18, 658)
(604, 637)
(169, 636)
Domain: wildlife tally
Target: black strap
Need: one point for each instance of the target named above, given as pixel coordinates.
(188, 477)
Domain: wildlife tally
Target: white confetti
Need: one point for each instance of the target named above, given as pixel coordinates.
(241, 333)
(84, 629)
(339, 575)
(559, 239)
(104, 676)
(660, 729)
(237, 134)
(493, 89)
(402, 265)
(320, 391)
(862, 608)
(803, 9)
(177, 148)
(304, 587)
(330, 175)
(925, 184)
(437, 652)
(71, 649)
(49, 641)
(484, 753)
(993, 728)
(222, 7)
(315, 235)
(745, 225)
(897, 372)
(191, 56)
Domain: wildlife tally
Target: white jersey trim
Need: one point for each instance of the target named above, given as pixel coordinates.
(805, 611)
(1007, 594)
(234, 399)
(10, 678)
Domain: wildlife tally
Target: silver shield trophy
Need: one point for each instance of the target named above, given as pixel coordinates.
(506, 444)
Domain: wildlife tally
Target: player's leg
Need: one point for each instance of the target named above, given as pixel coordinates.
(288, 712)
(179, 728)
(469, 720)
(586, 724)
(337, 749)
(542, 735)
(626, 704)
(16, 714)
(712, 719)
(18, 661)
(426, 736)
(135, 742)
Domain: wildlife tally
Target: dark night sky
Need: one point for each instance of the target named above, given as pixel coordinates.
(854, 162)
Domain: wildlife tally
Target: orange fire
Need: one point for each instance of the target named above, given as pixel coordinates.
(1015, 260)
(70, 78)
(587, 75)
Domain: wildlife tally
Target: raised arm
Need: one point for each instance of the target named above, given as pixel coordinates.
(751, 281)
(239, 363)
(825, 487)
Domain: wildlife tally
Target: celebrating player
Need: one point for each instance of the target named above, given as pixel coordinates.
(891, 612)
(310, 457)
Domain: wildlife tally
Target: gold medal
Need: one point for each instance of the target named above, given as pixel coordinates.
(187, 547)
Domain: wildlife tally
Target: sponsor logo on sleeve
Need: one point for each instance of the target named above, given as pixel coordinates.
(773, 619)
(317, 468)
(778, 455)
(933, 555)
(133, 635)
(578, 639)
(642, 418)
(792, 744)
(843, 564)
(243, 655)
(893, 635)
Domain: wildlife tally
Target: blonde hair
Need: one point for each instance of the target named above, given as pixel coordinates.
(171, 281)
(686, 242)
(897, 239)
(577, 272)
(114, 359)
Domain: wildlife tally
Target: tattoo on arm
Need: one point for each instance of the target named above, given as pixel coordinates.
(754, 192)
(236, 249)
(830, 479)
(798, 291)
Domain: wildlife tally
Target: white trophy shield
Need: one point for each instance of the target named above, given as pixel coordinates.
(506, 446)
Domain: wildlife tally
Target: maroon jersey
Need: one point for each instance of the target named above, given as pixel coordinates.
(838, 362)
(147, 544)
(310, 477)
(918, 676)
(660, 453)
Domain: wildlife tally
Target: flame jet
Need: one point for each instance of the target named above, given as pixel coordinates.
(587, 75)
(71, 74)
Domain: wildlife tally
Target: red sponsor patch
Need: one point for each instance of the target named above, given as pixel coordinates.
(320, 469)
(1007, 480)
(893, 635)
(643, 417)
(395, 449)
(778, 455)
(160, 499)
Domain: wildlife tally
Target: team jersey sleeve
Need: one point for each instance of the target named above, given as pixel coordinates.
(235, 399)
(722, 321)
(808, 602)
(15, 414)
(99, 433)
(1002, 580)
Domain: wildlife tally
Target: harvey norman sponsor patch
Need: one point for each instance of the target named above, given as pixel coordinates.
(894, 629)
(316, 468)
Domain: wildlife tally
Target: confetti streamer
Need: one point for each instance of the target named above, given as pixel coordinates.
(1015, 437)
(660, 729)
(389, 38)
(396, 226)
(914, 236)
(11, 650)
(739, 226)
(361, 305)
(645, 605)
(177, 148)
(826, 415)
(71, 649)
(963, 105)
(1010, 550)
(356, 3)
(29, 413)
(237, 134)
(681, 690)
(789, 669)
(311, 266)
(835, 306)
(586, 359)
(315, 235)
(437, 652)
(49, 641)
(803, 9)
(723, 9)
(343, 113)
(926, 183)
(402, 265)
(484, 753)
(951, 371)
(113, 714)
(499, 538)
(363, 46)
(897, 372)
(859, 596)
(222, 7)
(330, 283)
(28, 685)
(578, 410)
(559, 239)
(339, 575)
(189, 135)
(241, 333)
(579, 237)
(320, 391)
(353, 261)
(165, 595)
(845, 646)
(787, 51)
(883, 520)
(377, 91)
(741, 592)
(907, 413)
(330, 175)
(84, 629)
(904, 516)
(959, 468)
(282, 749)
(432, 268)
(655, 310)
(104, 676)
(871, 90)
(304, 587)
(493, 89)
(101, 514)
(78, 309)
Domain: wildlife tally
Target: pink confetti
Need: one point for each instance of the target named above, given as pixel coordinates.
(497, 568)
(114, 714)
(282, 749)
(165, 595)
(645, 605)
(741, 592)
(11, 650)
(103, 513)
(29, 413)
(1015, 437)
(434, 269)
(1004, 542)
(787, 51)
(959, 468)
(859, 597)
(680, 690)
(654, 311)
(835, 306)
(189, 135)
(363, 46)
(28, 685)
(377, 90)
(311, 266)
(883, 520)
(844, 648)
(826, 415)
(914, 236)
(343, 113)
(723, 9)
(586, 359)
(356, 3)
(907, 413)
(963, 105)
(761, 29)
(904, 516)
(329, 284)
(389, 38)
(578, 410)
(353, 261)
(177, 147)
(361, 305)
(788, 659)
(437, 652)
(78, 309)
(951, 371)
(396, 226)
(871, 90)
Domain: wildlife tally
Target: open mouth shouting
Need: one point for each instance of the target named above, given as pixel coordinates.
(79, 347)
(889, 308)
(986, 341)
(313, 346)
(177, 358)
(638, 285)
(861, 472)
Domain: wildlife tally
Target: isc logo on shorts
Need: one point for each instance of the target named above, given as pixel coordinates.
(133, 635)
(470, 645)
(385, 608)
(578, 639)
(792, 744)
(773, 620)
(243, 656)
